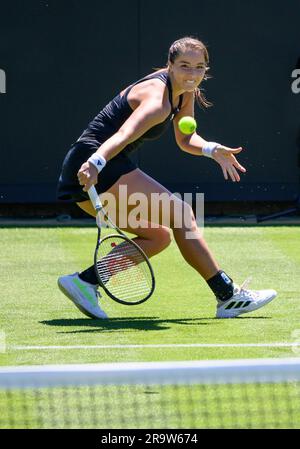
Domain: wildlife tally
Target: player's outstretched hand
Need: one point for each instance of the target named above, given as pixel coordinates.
(226, 158)
(87, 176)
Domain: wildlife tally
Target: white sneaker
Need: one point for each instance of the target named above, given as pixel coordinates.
(84, 295)
(244, 301)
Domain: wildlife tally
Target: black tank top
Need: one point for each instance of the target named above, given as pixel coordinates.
(115, 113)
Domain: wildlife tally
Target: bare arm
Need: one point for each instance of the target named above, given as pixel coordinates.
(194, 144)
(149, 113)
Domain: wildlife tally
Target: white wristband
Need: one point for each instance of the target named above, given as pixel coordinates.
(208, 149)
(98, 161)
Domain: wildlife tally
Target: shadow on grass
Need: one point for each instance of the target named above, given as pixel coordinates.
(134, 323)
(123, 323)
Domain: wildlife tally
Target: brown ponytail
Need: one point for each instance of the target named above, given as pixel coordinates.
(201, 99)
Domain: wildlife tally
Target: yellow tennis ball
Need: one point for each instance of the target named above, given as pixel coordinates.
(187, 125)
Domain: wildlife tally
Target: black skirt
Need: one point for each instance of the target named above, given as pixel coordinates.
(68, 186)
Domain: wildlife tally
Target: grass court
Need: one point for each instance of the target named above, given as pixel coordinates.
(39, 325)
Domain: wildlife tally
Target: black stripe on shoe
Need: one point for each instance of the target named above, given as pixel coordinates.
(230, 305)
(238, 305)
(246, 304)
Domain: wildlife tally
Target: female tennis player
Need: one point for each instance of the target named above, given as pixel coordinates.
(143, 111)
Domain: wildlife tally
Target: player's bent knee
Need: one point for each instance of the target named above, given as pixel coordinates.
(163, 238)
(160, 238)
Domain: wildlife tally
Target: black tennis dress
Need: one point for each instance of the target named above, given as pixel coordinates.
(103, 126)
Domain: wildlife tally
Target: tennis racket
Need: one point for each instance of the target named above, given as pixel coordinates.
(122, 268)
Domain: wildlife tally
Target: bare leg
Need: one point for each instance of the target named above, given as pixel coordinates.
(197, 254)
(194, 250)
(153, 240)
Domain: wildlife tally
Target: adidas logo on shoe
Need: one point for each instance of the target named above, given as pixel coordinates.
(244, 301)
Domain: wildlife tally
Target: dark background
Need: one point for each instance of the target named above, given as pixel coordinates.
(65, 59)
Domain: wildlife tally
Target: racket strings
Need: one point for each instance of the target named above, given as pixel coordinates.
(123, 269)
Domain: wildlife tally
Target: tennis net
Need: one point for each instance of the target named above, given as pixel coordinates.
(254, 393)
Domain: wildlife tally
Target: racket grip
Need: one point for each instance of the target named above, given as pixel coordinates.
(94, 197)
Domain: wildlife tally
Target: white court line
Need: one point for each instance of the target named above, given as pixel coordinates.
(178, 345)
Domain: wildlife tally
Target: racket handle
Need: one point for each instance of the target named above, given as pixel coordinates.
(94, 197)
